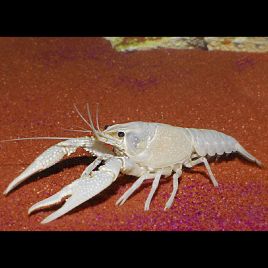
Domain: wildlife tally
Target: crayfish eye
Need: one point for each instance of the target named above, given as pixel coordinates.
(121, 134)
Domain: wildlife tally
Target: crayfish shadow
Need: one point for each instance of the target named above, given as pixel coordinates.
(247, 162)
(113, 189)
(192, 171)
(59, 167)
(108, 193)
(230, 157)
(105, 194)
(148, 184)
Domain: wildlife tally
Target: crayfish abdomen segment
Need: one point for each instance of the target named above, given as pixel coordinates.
(211, 142)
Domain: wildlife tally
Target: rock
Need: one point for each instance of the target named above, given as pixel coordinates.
(245, 44)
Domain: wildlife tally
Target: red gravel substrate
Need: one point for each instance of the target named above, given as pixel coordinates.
(41, 79)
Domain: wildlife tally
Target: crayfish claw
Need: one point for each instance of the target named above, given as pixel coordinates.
(52, 200)
(70, 204)
(81, 190)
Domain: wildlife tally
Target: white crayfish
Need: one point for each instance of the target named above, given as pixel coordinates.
(141, 149)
